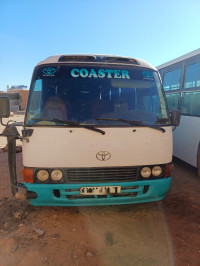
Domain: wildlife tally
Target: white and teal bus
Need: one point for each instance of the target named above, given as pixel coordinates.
(181, 82)
(96, 132)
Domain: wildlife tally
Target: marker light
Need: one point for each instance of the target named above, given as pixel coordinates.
(56, 175)
(145, 172)
(42, 175)
(156, 171)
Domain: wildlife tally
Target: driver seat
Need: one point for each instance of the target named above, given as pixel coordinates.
(55, 108)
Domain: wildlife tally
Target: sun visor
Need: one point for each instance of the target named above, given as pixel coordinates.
(130, 84)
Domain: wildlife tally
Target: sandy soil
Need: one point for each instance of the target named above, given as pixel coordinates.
(159, 233)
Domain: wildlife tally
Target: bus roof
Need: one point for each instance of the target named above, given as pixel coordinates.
(88, 58)
(179, 59)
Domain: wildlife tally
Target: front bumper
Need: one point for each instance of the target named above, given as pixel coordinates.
(69, 194)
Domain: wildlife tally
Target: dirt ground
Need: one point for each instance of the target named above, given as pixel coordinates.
(150, 234)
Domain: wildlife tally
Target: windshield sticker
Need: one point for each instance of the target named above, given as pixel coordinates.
(148, 75)
(100, 73)
(48, 71)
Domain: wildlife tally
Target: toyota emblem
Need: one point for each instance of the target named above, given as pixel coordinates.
(103, 155)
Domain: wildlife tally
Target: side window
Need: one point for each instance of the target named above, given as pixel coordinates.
(191, 103)
(192, 76)
(35, 105)
(172, 79)
(172, 101)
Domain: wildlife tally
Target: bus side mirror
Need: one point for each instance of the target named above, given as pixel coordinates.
(4, 107)
(175, 118)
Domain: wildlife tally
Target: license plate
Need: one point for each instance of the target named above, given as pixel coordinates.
(100, 190)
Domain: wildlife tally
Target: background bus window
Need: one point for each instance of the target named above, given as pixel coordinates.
(192, 76)
(171, 80)
(191, 103)
(172, 100)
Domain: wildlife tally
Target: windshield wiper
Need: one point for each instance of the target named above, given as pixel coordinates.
(133, 122)
(71, 123)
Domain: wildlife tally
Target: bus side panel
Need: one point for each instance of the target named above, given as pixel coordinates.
(186, 139)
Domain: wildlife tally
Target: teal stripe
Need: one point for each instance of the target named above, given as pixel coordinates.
(157, 191)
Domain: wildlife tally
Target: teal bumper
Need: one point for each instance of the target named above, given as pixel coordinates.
(69, 194)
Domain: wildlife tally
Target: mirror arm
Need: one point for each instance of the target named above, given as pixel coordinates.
(1, 122)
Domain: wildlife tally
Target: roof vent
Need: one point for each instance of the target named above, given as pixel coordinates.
(79, 58)
(124, 60)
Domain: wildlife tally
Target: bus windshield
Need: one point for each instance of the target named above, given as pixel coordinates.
(86, 93)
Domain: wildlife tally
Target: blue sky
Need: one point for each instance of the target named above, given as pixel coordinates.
(31, 30)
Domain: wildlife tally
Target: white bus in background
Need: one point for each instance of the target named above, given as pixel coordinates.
(181, 82)
(96, 132)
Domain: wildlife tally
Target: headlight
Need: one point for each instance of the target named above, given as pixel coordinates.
(145, 172)
(156, 171)
(56, 175)
(42, 175)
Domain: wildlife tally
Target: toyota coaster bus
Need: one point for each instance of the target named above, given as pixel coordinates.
(96, 132)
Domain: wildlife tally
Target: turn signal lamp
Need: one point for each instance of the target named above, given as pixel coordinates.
(168, 170)
(28, 175)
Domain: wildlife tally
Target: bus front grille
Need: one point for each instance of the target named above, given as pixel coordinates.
(100, 174)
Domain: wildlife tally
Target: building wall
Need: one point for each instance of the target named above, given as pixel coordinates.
(24, 98)
(18, 99)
